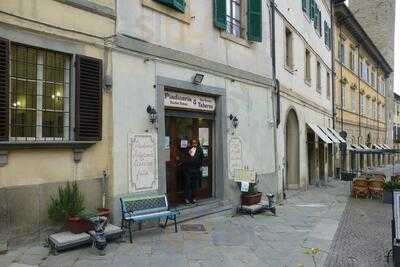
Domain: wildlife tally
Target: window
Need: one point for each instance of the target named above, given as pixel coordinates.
(341, 52)
(178, 5)
(361, 68)
(327, 35)
(37, 99)
(353, 100)
(318, 77)
(352, 59)
(328, 85)
(362, 105)
(367, 74)
(308, 66)
(317, 19)
(383, 87)
(344, 103)
(229, 16)
(373, 81)
(374, 110)
(288, 49)
(234, 17)
(304, 5)
(39, 93)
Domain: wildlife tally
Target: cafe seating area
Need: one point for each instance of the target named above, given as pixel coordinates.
(369, 186)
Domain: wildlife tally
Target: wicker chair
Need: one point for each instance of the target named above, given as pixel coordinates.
(360, 188)
(396, 178)
(379, 177)
(375, 188)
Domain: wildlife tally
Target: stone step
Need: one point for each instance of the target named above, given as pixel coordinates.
(201, 209)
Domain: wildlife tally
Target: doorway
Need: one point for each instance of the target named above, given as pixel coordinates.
(178, 132)
(292, 151)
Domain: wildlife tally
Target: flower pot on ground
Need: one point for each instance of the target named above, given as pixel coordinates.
(104, 212)
(78, 225)
(66, 206)
(252, 196)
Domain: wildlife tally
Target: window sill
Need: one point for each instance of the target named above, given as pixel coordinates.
(7, 145)
(184, 17)
(235, 39)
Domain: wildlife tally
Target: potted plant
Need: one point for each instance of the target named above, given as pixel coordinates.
(66, 207)
(388, 188)
(252, 196)
(104, 212)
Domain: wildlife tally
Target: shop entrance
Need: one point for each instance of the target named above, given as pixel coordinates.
(179, 129)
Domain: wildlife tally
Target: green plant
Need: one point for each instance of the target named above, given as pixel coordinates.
(67, 203)
(253, 186)
(391, 185)
(87, 213)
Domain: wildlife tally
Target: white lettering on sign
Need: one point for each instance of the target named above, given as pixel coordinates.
(195, 102)
(143, 163)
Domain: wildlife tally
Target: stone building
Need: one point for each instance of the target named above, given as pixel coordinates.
(396, 123)
(360, 91)
(378, 20)
(204, 69)
(306, 139)
(54, 110)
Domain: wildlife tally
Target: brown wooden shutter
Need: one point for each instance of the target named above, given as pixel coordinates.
(4, 88)
(88, 101)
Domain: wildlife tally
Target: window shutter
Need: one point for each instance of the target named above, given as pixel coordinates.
(4, 88)
(254, 20)
(319, 22)
(304, 5)
(326, 33)
(220, 14)
(178, 5)
(311, 11)
(88, 102)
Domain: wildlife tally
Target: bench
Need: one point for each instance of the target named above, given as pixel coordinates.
(139, 209)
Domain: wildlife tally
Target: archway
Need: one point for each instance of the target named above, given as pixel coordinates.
(292, 151)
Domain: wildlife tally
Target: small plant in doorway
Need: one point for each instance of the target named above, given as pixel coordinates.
(66, 206)
(252, 196)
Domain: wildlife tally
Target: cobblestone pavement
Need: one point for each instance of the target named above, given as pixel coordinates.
(307, 219)
(364, 235)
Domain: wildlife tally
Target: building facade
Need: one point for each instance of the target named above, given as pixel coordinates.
(396, 123)
(160, 50)
(54, 120)
(303, 68)
(360, 91)
(378, 20)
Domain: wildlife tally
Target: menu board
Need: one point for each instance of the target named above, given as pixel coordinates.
(235, 155)
(142, 163)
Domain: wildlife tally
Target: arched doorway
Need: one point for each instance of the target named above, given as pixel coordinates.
(292, 151)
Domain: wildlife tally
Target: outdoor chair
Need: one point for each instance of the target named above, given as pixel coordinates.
(360, 188)
(375, 188)
(379, 177)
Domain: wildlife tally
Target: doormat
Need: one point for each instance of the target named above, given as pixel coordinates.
(193, 227)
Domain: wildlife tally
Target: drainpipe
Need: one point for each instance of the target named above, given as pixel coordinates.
(277, 92)
(333, 87)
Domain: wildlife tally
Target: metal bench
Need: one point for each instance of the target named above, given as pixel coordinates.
(139, 209)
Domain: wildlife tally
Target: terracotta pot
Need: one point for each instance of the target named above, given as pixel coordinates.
(104, 212)
(78, 225)
(249, 199)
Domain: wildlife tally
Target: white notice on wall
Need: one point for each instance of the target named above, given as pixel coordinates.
(142, 163)
(235, 155)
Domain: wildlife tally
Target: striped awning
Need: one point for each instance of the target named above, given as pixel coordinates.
(320, 133)
(337, 135)
(330, 135)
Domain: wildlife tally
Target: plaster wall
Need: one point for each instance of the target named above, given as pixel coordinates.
(198, 36)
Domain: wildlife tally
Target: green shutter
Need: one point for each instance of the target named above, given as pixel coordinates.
(254, 20)
(326, 33)
(304, 5)
(311, 10)
(319, 22)
(179, 5)
(220, 14)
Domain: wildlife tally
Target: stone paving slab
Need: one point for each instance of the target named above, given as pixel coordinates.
(306, 219)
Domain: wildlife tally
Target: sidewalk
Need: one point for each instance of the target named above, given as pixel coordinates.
(307, 219)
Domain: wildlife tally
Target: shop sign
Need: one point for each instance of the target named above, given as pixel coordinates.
(187, 101)
(142, 163)
(244, 175)
(235, 155)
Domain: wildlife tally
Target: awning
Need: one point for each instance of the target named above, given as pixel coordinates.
(330, 135)
(376, 146)
(386, 146)
(364, 146)
(356, 146)
(320, 133)
(337, 135)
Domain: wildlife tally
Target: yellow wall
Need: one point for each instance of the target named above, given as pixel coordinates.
(85, 31)
(353, 84)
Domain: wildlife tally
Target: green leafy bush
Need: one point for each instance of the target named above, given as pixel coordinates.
(391, 185)
(67, 203)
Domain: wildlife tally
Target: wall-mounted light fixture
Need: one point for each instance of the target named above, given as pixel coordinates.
(152, 114)
(234, 120)
(198, 78)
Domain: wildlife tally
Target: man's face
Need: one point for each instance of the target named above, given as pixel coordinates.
(194, 143)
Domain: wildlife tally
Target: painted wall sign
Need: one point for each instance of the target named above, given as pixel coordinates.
(142, 163)
(187, 101)
(235, 155)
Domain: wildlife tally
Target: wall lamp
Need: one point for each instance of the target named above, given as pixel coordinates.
(198, 78)
(152, 114)
(235, 121)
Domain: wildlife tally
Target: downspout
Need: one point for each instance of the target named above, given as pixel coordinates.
(333, 86)
(277, 92)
